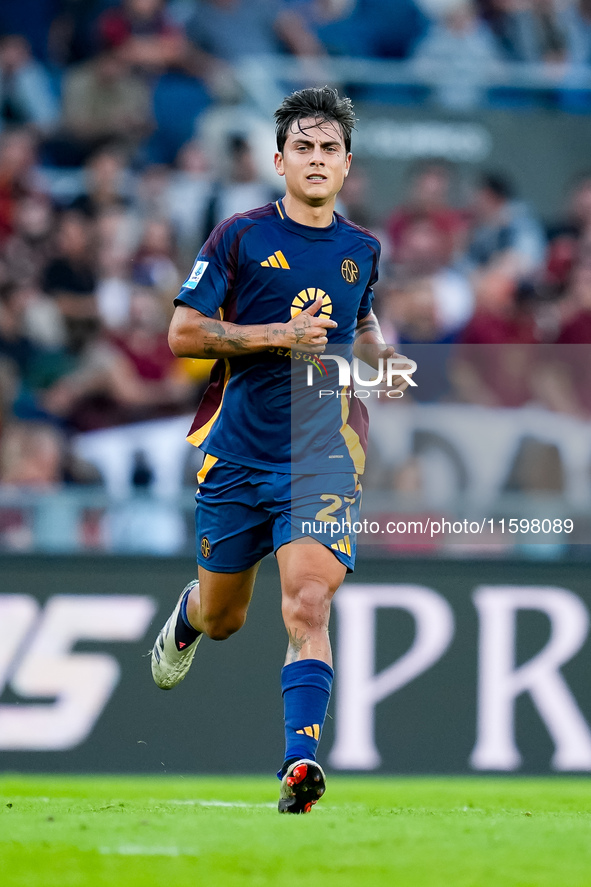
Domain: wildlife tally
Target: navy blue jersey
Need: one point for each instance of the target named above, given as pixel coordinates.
(262, 267)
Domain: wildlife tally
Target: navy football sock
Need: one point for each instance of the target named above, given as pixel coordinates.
(306, 686)
(184, 633)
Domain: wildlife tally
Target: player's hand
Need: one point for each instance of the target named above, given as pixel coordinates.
(308, 332)
(402, 362)
(372, 353)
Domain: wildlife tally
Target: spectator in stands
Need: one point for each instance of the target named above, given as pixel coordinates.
(33, 20)
(459, 53)
(31, 346)
(19, 174)
(128, 376)
(423, 253)
(239, 187)
(107, 182)
(186, 198)
(30, 247)
(576, 308)
(16, 348)
(527, 30)
(147, 38)
(154, 264)
(26, 96)
(408, 312)
(115, 242)
(499, 374)
(231, 30)
(355, 202)
(504, 311)
(70, 278)
(103, 99)
(31, 455)
(576, 20)
(565, 234)
(504, 230)
(30, 459)
(35, 458)
(429, 197)
(366, 28)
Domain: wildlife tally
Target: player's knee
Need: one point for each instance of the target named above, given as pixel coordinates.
(221, 627)
(309, 603)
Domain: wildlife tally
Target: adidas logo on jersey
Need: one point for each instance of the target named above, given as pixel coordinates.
(277, 260)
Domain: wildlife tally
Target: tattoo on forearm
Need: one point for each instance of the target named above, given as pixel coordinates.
(220, 334)
(368, 325)
(295, 644)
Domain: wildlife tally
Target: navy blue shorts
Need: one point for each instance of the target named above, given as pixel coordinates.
(243, 514)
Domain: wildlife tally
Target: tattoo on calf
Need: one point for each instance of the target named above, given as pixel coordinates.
(296, 642)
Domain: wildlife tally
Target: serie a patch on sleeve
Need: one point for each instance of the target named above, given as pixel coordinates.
(195, 275)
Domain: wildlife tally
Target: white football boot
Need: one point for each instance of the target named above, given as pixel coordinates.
(171, 654)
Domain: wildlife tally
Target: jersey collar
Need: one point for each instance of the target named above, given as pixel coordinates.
(308, 231)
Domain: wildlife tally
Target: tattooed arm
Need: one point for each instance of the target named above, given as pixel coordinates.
(369, 341)
(370, 345)
(192, 334)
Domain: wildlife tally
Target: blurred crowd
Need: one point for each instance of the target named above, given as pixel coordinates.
(109, 184)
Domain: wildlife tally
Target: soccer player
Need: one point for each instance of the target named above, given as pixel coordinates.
(285, 280)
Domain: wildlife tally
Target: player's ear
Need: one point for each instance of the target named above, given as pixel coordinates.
(278, 161)
(348, 163)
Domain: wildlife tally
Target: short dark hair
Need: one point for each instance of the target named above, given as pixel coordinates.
(497, 184)
(321, 103)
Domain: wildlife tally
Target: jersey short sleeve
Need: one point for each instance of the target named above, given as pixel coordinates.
(368, 295)
(206, 287)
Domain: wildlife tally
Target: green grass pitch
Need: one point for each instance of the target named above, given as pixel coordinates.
(368, 832)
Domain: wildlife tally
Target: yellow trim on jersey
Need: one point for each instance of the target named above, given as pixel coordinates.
(200, 434)
(208, 463)
(350, 436)
(278, 205)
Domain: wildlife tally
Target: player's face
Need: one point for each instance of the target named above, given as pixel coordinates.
(314, 161)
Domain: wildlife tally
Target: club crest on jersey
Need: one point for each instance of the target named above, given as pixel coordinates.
(196, 274)
(306, 297)
(350, 270)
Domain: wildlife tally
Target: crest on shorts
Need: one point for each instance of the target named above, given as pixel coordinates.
(205, 547)
(350, 270)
